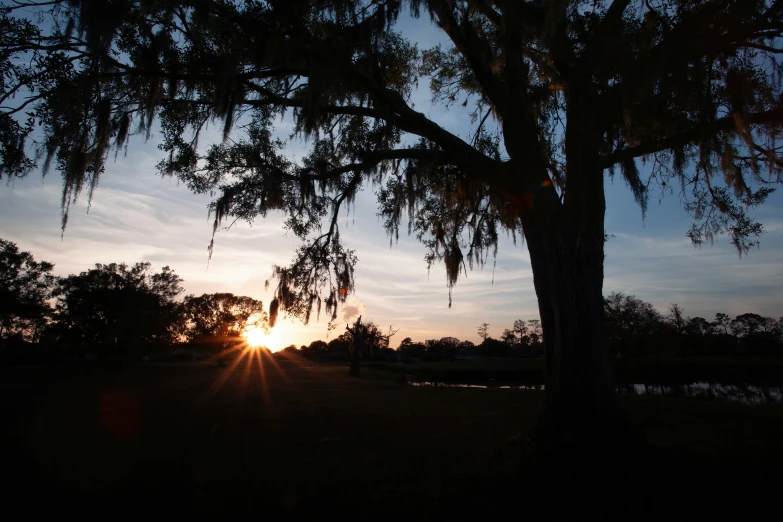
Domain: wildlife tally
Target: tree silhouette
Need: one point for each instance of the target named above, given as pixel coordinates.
(509, 337)
(483, 331)
(365, 339)
(117, 309)
(25, 288)
(520, 330)
(676, 318)
(758, 334)
(698, 326)
(631, 323)
(722, 323)
(220, 319)
(316, 350)
(559, 93)
(534, 330)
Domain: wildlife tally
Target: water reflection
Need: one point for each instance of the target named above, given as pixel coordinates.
(742, 393)
(437, 384)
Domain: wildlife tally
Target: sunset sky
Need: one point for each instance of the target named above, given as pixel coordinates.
(138, 216)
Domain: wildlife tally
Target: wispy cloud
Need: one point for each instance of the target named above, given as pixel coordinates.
(351, 310)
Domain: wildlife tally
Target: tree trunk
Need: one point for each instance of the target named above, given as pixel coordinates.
(566, 244)
(582, 404)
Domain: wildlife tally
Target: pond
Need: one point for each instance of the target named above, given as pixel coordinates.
(741, 393)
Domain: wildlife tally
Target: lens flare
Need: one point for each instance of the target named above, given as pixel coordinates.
(255, 337)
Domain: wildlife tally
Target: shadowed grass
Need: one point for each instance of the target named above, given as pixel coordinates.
(320, 445)
(725, 370)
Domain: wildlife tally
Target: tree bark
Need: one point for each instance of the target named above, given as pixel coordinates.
(566, 244)
(582, 407)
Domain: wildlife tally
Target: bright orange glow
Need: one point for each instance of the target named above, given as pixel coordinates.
(257, 337)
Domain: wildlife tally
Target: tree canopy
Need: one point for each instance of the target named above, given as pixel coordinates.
(25, 289)
(117, 308)
(220, 316)
(692, 88)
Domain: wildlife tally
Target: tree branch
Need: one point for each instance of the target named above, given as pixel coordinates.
(692, 135)
(408, 120)
(609, 26)
(469, 45)
(495, 18)
(371, 160)
(615, 12)
(273, 99)
(20, 5)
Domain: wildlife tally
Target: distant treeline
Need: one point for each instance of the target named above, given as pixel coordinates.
(113, 310)
(635, 329)
(120, 310)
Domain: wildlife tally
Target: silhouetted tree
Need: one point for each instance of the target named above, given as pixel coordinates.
(405, 342)
(699, 335)
(534, 331)
(445, 348)
(494, 347)
(747, 325)
(365, 339)
(339, 348)
(699, 327)
(410, 350)
(677, 318)
(220, 319)
(466, 344)
(117, 309)
(560, 92)
(483, 331)
(449, 347)
(632, 324)
(25, 288)
(675, 325)
(722, 323)
(316, 350)
(520, 330)
(759, 335)
(290, 350)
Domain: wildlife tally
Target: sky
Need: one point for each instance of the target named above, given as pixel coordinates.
(137, 215)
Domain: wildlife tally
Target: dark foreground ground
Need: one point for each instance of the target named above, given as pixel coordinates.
(298, 441)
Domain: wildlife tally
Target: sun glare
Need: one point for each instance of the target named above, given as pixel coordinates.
(256, 337)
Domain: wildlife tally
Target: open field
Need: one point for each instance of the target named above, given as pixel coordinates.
(305, 441)
(672, 370)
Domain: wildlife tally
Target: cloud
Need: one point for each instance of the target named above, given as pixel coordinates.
(352, 309)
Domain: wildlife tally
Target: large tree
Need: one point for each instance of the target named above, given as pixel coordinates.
(561, 93)
(117, 309)
(25, 289)
(365, 338)
(220, 317)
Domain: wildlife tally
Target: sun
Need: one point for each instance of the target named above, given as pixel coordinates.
(256, 337)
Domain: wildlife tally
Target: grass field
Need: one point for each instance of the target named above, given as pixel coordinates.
(294, 440)
(672, 370)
